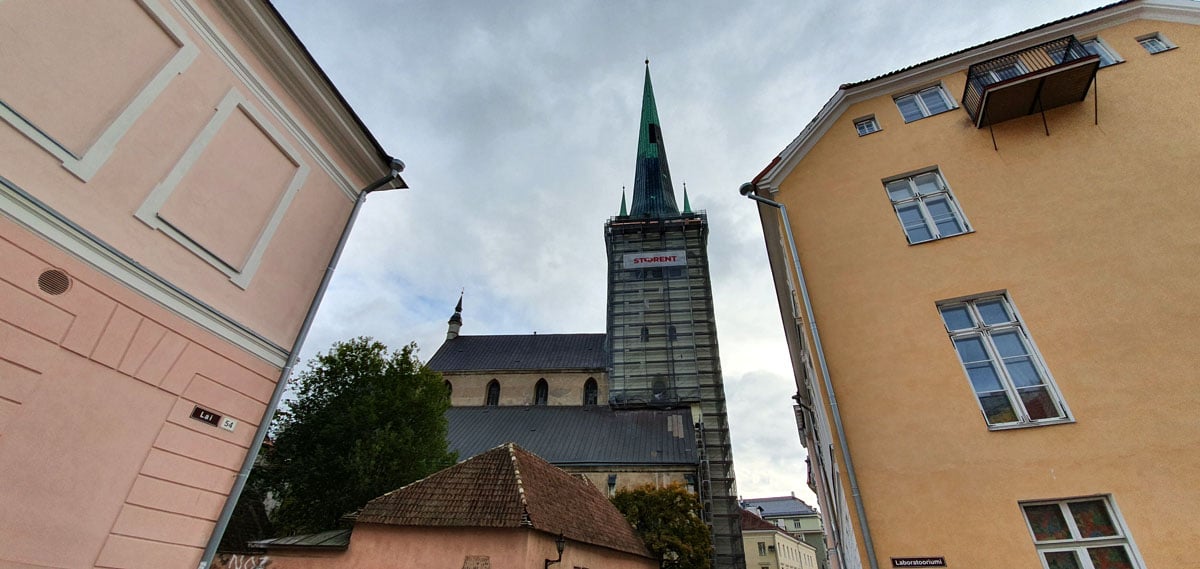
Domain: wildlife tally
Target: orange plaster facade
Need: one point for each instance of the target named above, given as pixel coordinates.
(441, 548)
(190, 183)
(1090, 232)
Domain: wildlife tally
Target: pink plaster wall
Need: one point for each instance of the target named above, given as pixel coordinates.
(96, 442)
(62, 74)
(440, 548)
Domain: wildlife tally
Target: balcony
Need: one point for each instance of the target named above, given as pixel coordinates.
(1029, 81)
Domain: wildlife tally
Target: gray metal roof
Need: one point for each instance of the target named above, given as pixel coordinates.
(521, 352)
(779, 506)
(577, 435)
(338, 538)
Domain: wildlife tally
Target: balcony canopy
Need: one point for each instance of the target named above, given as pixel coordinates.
(1025, 82)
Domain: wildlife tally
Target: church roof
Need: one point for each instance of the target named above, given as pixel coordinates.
(779, 506)
(508, 487)
(653, 195)
(521, 352)
(578, 435)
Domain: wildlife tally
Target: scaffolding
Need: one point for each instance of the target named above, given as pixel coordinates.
(662, 350)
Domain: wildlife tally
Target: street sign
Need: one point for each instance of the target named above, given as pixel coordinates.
(206, 416)
(918, 562)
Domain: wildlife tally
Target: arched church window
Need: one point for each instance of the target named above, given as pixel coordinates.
(493, 393)
(658, 390)
(449, 389)
(541, 392)
(590, 392)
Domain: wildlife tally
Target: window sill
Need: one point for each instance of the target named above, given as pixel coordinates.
(967, 232)
(1046, 423)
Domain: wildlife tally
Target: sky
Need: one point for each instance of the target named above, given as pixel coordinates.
(518, 123)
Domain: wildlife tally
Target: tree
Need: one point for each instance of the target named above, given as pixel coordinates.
(364, 423)
(669, 521)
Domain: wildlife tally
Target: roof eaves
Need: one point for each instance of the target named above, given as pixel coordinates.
(849, 93)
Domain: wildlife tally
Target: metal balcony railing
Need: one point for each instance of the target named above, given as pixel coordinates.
(1036, 78)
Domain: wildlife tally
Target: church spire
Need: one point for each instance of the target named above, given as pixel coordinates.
(624, 211)
(687, 206)
(455, 323)
(653, 195)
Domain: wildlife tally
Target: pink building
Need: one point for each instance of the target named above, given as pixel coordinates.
(502, 508)
(175, 179)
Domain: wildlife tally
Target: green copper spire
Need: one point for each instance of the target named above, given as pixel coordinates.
(624, 212)
(687, 206)
(653, 195)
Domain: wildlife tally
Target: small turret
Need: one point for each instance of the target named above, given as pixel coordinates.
(455, 320)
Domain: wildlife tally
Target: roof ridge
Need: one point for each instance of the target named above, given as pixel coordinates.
(526, 521)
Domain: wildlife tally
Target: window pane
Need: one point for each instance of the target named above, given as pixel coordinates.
(934, 100)
(1092, 519)
(1093, 47)
(909, 108)
(943, 216)
(1061, 560)
(927, 184)
(914, 223)
(1009, 344)
(1112, 557)
(1023, 372)
(1047, 522)
(899, 190)
(1038, 403)
(956, 317)
(997, 409)
(970, 349)
(993, 312)
(983, 377)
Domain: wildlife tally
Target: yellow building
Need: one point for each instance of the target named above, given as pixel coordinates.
(1002, 249)
(768, 546)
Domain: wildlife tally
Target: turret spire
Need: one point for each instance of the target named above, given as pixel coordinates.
(687, 206)
(653, 195)
(455, 323)
(624, 211)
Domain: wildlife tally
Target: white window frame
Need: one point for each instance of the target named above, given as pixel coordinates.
(925, 112)
(871, 124)
(1077, 543)
(985, 333)
(920, 200)
(1148, 42)
(1103, 50)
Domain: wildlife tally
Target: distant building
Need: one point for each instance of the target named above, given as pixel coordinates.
(174, 180)
(792, 515)
(502, 508)
(642, 403)
(1001, 248)
(767, 546)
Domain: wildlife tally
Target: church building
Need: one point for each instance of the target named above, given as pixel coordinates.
(643, 403)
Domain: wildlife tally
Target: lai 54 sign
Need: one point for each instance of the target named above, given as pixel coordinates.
(655, 259)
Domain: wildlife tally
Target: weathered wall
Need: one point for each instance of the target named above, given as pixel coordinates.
(565, 387)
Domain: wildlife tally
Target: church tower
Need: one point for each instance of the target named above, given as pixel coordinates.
(662, 335)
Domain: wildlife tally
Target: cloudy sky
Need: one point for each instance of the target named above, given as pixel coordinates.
(518, 124)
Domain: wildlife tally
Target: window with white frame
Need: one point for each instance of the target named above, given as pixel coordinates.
(926, 102)
(866, 125)
(1080, 533)
(1155, 43)
(926, 209)
(1095, 46)
(1008, 376)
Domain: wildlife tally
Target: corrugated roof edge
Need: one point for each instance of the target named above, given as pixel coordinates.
(783, 163)
(384, 157)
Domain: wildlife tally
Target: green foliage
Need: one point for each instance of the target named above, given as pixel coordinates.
(669, 521)
(364, 423)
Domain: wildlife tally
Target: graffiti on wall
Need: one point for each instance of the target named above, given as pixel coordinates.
(236, 561)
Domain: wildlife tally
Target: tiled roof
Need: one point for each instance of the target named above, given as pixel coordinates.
(750, 522)
(577, 435)
(521, 352)
(338, 538)
(508, 487)
(779, 506)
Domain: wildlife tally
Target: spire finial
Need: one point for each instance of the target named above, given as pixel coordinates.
(455, 323)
